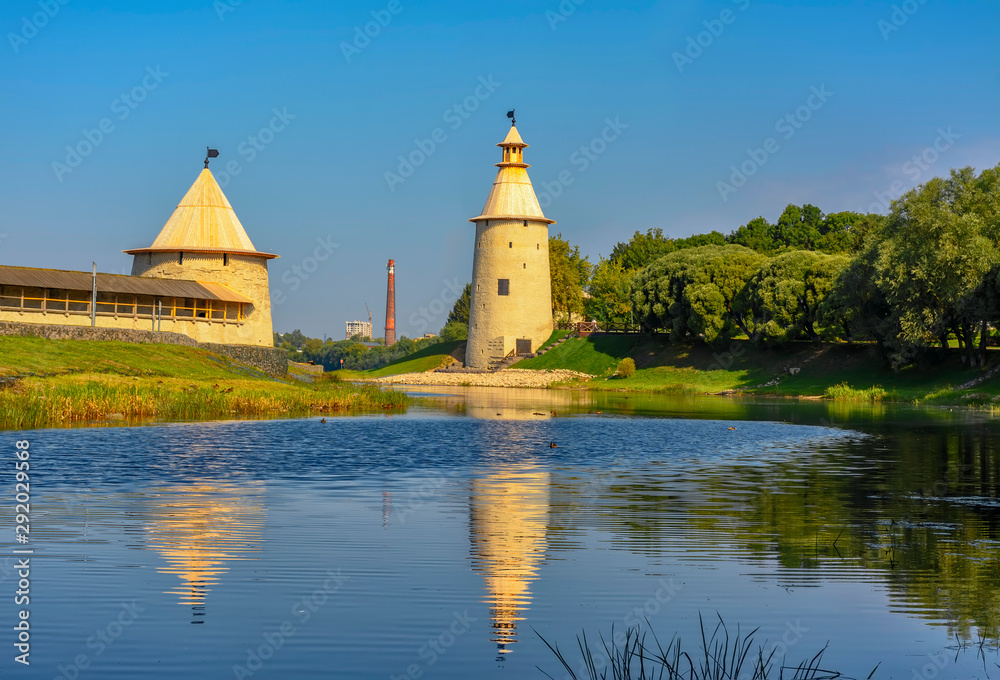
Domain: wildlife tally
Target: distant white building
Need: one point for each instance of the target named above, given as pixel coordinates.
(362, 328)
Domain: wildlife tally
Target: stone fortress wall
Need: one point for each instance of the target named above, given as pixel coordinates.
(271, 360)
(244, 274)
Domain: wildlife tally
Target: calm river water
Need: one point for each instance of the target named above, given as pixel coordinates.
(443, 543)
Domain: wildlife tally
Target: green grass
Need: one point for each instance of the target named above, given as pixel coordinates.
(638, 654)
(833, 371)
(67, 382)
(597, 355)
(556, 336)
(844, 392)
(37, 356)
(427, 359)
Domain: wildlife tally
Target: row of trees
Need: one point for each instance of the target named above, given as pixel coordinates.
(357, 356)
(927, 272)
(909, 281)
(798, 228)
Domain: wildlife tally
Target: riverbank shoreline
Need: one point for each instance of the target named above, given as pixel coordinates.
(510, 377)
(741, 369)
(65, 383)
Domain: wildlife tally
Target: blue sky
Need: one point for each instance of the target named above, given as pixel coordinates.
(684, 91)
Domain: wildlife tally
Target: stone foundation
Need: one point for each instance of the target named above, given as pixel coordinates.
(270, 360)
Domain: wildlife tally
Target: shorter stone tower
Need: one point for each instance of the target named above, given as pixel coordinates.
(204, 241)
(511, 305)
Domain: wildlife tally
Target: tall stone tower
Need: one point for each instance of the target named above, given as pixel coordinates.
(511, 306)
(204, 241)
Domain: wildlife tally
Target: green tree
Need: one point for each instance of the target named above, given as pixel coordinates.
(642, 249)
(569, 274)
(454, 330)
(695, 292)
(855, 308)
(799, 227)
(609, 288)
(757, 234)
(712, 238)
(460, 311)
(846, 232)
(783, 300)
(936, 259)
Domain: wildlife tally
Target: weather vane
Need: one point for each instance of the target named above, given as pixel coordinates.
(513, 121)
(212, 153)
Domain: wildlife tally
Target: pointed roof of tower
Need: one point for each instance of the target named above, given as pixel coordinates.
(512, 196)
(513, 139)
(204, 221)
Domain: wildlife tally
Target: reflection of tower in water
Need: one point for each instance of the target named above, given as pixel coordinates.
(198, 528)
(508, 513)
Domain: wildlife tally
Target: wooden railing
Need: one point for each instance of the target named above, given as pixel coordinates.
(599, 327)
(116, 305)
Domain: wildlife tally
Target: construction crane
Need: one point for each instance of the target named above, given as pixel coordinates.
(369, 320)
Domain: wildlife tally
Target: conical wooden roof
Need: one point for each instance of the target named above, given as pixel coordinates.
(512, 196)
(204, 221)
(513, 139)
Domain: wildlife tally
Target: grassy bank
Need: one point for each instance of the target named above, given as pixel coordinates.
(840, 372)
(46, 383)
(427, 359)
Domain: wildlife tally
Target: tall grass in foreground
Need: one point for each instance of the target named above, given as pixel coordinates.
(720, 657)
(41, 403)
(844, 392)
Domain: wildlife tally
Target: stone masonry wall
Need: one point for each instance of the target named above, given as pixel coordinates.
(509, 249)
(244, 273)
(270, 360)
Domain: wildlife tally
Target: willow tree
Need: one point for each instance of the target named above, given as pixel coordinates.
(784, 299)
(937, 262)
(694, 292)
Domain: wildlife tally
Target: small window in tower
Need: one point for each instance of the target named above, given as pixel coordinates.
(149, 259)
(510, 245)
(180, 258)
(525, 265)
(503, 286)
(526, 223)
(487, 223)
(225, 259)
(538, 246)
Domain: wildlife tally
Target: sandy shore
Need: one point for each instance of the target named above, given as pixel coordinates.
(511, 377)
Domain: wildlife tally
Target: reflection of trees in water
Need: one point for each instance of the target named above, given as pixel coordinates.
(920, 507)
(508, 515)
(198, 528)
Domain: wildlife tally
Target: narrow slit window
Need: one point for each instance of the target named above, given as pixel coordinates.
(225, 259)
(180, 258)
(510, 245)
(503, 286)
